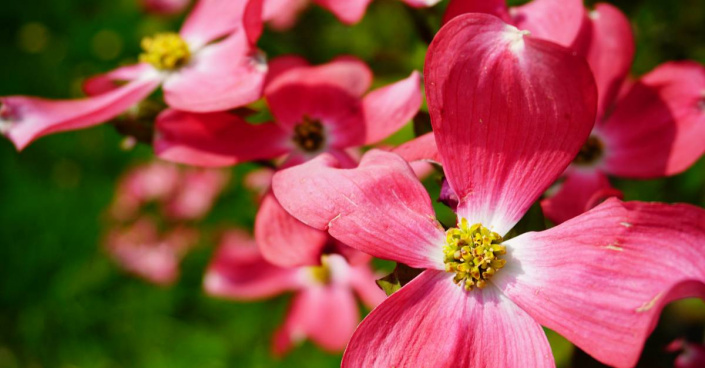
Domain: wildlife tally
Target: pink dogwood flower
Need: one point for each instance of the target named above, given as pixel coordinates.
(324, 308)
(282, 14)
(142, 250)
(164, 7)
(509, 114)
(316, 109)
(211, 64)
(648, 128)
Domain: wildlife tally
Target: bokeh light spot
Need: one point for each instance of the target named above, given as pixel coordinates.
(106, 45)
(33, 37)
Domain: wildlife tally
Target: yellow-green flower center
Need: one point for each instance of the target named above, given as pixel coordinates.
(309, 135)
(590, 152)
(321, 274)
(473, 253)
(165, 51)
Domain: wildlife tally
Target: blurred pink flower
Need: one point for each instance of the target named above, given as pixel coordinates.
(165, 7)
(259, 181)
(196, 69)
(324, 308)
(691, 355)
(198, 190)
(649, 128)
(153, 182)
(316, 109)
(282, 14)
(509, 113)
(182, 193)
(140, 249)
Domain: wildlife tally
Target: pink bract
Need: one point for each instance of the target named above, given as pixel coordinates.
(509, 113)
(219, 75)
(648, 128)
(560, 21)
(324, 308)
(282, 14)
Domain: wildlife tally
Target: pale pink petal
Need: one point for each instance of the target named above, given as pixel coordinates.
(141, 250)
(379, 208)
(216, 139)
(347, 11)
(282, 14)
(327, 315)
(110, 81)
(601, 279)
(238, 271)
(284, 240)
(658, 127)
(422, 148)
(259, 181)
(196, 195)
(221, 76)
(431, 322)
(388, 109)
(504, 108)
(559, 21)
(610, 52)
(497, 8)
(362, 280)
(24, 119)
(574, 194)
(422, 169)
(152, 182)
(213, 19)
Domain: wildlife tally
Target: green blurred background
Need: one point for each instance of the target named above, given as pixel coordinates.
(63, 303)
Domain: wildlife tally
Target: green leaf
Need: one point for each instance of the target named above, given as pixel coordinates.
(401, 276)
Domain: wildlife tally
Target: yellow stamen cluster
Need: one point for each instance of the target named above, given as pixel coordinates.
(309, 135)
(321, 274)
(590, 152)
(165, 51)
(472, 252)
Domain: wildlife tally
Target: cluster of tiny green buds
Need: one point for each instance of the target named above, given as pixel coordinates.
(473, 252)
(165, 51)
(309, 135)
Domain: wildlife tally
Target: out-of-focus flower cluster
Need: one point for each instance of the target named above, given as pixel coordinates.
(153, 217)
(525, 105)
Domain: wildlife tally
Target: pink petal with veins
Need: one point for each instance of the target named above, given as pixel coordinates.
(602, 278)
(504, 106)
(431, 322)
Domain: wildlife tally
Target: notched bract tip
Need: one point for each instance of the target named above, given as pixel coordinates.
(515, 38)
